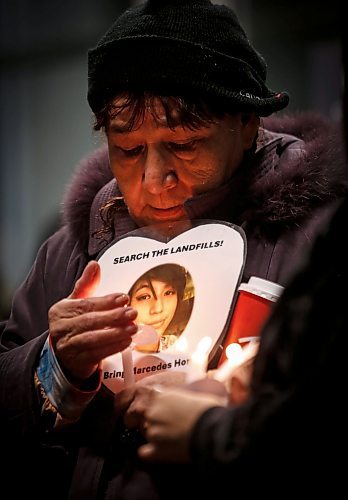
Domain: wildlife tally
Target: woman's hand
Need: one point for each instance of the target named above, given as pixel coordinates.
(84, 330)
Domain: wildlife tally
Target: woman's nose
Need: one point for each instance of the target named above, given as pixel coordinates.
(156, 306)
(158, 174)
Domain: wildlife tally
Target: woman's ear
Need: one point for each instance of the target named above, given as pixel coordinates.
(250, 126)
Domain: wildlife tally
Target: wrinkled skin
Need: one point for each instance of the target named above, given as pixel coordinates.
(158, 168)
(84, 330)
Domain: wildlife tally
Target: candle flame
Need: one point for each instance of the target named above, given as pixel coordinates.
(199, 360)
(204, 345)
(234, 353)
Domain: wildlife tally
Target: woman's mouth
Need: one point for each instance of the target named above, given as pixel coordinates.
(158, 324)
(172, 213)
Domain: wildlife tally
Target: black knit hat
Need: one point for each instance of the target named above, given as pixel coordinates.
(181, 47)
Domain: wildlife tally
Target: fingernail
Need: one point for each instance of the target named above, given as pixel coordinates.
(122, 299)
(131, 328)
(130, 313)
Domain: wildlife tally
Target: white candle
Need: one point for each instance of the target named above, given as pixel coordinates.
(198, 363)
(128, 368)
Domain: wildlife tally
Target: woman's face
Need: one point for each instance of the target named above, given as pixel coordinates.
(156, 303)
(158, 168)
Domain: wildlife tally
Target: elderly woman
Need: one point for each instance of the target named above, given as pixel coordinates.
(179, 92)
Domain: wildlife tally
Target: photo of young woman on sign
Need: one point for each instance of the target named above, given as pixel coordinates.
(163, 297)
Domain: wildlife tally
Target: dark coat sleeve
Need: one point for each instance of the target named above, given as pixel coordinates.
(292, 430)
(56, 268)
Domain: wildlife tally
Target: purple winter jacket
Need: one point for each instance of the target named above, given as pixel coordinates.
(282, 197)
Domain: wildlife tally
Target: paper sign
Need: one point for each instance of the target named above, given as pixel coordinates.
(183, 287)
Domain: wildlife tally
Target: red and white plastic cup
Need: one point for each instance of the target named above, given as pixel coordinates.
(253, 307)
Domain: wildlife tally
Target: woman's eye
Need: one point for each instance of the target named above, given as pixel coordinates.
(143, 296)
(132, 152)
(170, 292)
(183, 147)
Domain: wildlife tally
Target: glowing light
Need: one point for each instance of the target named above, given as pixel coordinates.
(204, 345)
(197, 367)
(236, 355)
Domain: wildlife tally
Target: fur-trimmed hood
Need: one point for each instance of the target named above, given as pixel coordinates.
(272, 198)
(289, 192)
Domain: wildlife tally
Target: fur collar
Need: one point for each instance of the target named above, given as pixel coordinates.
(272, 200)
(319, 175)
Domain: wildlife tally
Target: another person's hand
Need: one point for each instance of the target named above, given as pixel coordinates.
(239, 384)
(239, 381)
(169, 422)
(84, 330)
(133, 401)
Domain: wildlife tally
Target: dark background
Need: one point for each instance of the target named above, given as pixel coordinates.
(45, 122)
